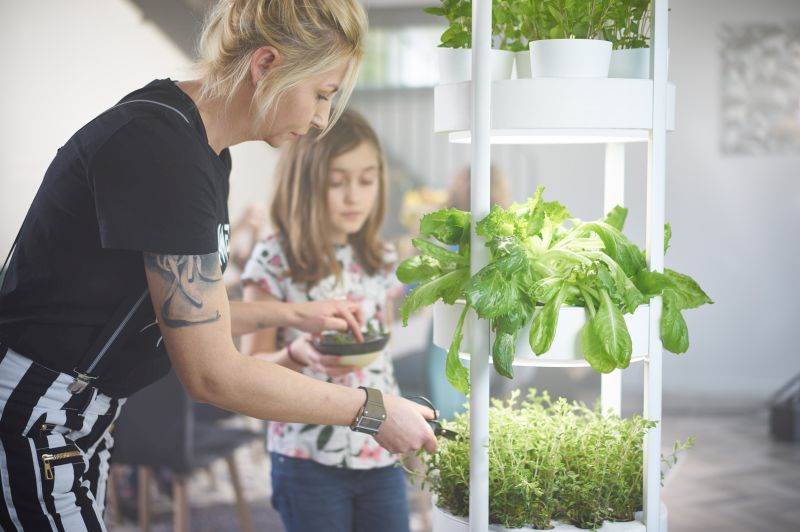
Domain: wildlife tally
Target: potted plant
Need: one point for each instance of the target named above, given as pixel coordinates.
(571, 46)
(552, 464)
(454, 52)
(517, 23)
(629, 33)
(544, 265)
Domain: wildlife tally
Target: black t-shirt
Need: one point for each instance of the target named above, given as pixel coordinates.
(139, 177)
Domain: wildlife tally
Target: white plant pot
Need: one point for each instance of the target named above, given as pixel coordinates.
(570, 58)
(566, 347)
(442, 521)
(522, 60)
(455, 64)
(632, 64)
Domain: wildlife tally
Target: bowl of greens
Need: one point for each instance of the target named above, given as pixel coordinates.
(353, 352)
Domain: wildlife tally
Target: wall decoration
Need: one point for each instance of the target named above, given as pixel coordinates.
(760, 89)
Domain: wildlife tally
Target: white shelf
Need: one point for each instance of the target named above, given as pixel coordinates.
(443, 521)
(566, 348)
(555, 110)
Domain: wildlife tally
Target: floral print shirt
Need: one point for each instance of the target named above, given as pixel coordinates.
(326, 444)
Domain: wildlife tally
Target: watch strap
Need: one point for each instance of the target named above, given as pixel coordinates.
(372, 414)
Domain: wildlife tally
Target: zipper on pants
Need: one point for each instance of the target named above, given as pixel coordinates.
(47, 458)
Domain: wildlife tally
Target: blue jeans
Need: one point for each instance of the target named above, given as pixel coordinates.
(311, 497)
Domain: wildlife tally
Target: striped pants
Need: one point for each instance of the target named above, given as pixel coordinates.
(54, 449)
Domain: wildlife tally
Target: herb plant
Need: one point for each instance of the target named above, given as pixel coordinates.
(630, 24)
(542, 258)
(373, 331)
(548, 461)
(459, 19)
(517, 22)
(577, 19)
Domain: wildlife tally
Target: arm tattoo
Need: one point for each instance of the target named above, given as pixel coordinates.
(188, 280)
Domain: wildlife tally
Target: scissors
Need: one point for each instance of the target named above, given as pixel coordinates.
(435, 423)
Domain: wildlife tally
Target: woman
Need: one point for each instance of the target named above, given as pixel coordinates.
(134, 206)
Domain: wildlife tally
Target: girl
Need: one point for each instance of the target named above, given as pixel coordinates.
(327, 213)
(118, 266)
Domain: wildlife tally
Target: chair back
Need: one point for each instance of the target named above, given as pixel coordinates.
(155, 427)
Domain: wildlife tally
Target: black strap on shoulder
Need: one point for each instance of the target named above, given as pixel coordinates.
(86, 371)
(8, 259)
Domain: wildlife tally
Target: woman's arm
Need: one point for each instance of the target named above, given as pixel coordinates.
(191, 305)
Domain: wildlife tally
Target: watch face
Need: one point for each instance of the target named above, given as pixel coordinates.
(369, 423)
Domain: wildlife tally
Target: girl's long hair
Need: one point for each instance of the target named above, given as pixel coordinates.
(299, 209)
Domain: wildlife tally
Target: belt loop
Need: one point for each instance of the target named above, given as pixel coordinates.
(89, 395)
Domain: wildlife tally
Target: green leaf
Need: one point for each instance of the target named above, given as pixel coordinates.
(448, 260)
(616, 217)
(503, 353)
(436, 11)
(324, 437)
(610, 329)
(667, 237)
(448, 226)
(618, 247)
(418, 269)
(545, 322)
(448, 288)
(501, 222)
(546, 288)
(491, 293)
(307, 428)
(511, 259)
(556, 212)
(688, 293)
(651, 283)
(674, 333)
(457, 374)
(593, 350)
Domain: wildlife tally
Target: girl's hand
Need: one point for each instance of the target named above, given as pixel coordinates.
(332, 314)
(302, 354)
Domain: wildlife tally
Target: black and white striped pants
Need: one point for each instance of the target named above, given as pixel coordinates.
(54, 449)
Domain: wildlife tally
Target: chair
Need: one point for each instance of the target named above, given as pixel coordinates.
(159, 428)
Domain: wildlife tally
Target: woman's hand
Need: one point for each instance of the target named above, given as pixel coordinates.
(406, 428)
(303, 355)
(332, 314)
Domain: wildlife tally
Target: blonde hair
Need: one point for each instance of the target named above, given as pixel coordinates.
(311, 36)
(300, 208)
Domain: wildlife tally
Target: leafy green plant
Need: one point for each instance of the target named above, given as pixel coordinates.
(577, 19)
(505, 16)
(459, 19)
(630, 24)
(548, 461)
(517, 22)
(542, 258)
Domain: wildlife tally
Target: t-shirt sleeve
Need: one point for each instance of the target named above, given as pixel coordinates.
(268, 268)
(154, 189)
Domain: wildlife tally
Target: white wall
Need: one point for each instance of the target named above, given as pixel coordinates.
(63, 63)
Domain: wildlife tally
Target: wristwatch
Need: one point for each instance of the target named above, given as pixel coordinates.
(371, 416)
